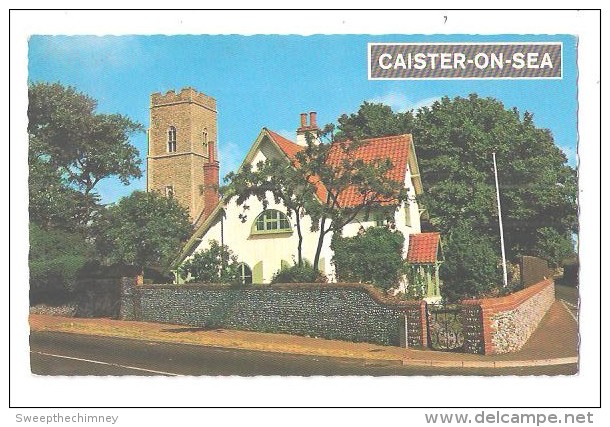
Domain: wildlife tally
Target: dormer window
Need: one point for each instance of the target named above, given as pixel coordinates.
(171, 139)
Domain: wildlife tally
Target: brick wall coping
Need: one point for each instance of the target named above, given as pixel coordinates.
(377, 295)
(511, 301)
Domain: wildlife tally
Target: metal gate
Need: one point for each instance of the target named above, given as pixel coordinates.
(445, 327)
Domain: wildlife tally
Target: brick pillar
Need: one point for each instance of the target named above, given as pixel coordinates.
(423, 309)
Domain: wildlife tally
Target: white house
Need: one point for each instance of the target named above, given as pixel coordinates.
(265, 240)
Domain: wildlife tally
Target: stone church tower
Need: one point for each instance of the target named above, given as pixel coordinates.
(182, 157)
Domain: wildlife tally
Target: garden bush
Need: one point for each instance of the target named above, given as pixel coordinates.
(374, 256)
(298, 274)
(217, 264)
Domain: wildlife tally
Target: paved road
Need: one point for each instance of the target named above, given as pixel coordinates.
(568, 296)
(53, 353)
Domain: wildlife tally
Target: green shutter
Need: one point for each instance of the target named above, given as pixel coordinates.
(257, 273)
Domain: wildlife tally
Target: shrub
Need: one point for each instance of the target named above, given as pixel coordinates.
(217, 264)
(56, 257)
(374, 257)
(470, 269)
(298, 274)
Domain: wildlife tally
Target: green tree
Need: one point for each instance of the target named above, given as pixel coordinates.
(553, 246)
(53, 203)
(374, 256)
(81, 145)
(373, 120)
(143, 229)
(470, 268)
(217, 264)
(454, 139)
(56, 257)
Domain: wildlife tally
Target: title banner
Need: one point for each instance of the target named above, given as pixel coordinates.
(401, 61)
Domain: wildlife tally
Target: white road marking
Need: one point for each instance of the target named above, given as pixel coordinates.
(569, 304)
(569, 311)
(99, 362)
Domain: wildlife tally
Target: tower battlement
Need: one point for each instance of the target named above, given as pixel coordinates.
(187, 94)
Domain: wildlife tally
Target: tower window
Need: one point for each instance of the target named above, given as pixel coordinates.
(169, 191)
(205, 137)
(171, 139)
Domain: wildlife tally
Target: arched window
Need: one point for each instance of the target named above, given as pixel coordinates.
(271, 221)
(245, 274)
(171, 139)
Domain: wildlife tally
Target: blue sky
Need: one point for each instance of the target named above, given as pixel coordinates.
(266, 81)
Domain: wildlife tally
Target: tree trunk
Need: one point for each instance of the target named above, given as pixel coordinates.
(300, 244)
(316, 258)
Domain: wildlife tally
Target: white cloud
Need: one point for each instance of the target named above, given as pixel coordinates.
(401, 103)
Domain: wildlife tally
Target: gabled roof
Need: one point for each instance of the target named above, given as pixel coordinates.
(423, 248)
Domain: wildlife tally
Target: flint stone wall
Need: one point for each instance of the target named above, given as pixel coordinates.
(508, 322)
(350, 312)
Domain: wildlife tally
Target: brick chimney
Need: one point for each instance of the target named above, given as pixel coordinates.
(311, 127)
(211, 168)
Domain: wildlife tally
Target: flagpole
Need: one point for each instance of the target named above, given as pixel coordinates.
(505, 275)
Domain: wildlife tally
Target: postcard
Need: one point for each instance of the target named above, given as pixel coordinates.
(304, 205)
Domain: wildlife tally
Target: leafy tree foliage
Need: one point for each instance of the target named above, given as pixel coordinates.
(144, 229)
(470, 268)
(53, 203)
(55, 259)
(553, 246)
(454, 139)
(373, 120)
(217, 264)
(374, 256)
(69, 139)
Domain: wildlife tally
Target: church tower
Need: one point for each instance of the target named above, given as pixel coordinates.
(182, 157)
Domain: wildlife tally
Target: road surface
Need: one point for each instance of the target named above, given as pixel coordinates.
(54, 353)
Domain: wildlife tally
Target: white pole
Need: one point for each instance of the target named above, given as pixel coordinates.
(500, 220)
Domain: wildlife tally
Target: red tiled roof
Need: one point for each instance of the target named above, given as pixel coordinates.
(395, 148)
(423, 248)
(287, 146)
